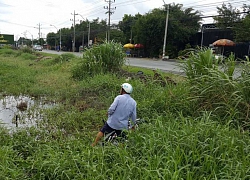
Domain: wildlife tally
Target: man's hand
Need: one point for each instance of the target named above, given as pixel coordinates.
(133, 128)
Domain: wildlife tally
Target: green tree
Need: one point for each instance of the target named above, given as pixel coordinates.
(126, 26)
(242, 30)
(228, 16)
(97, 27)
(233, 18)
(150, 29)
(116, 35)
(51, 39)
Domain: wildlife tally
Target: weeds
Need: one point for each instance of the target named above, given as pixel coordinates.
(215, 87)
(64, 57)
(107, 57)
(182, 139)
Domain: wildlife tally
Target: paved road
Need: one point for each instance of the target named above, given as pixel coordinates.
(170, 66)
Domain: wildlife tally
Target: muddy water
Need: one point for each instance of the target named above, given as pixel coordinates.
(21, 111)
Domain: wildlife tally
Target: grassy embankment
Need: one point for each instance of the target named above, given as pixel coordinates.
(188, 135)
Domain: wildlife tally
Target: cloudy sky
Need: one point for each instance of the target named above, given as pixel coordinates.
(23, 17)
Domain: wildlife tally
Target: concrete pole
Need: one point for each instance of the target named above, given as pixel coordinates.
(83, 39)
(202, 32)
(59, 35)
(165, 35)
(89, 35)
(60, 40)
(74, 34)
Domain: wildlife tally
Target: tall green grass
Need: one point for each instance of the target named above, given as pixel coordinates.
(103, 58)
(167, 148)
(216, 88)
(177, 142)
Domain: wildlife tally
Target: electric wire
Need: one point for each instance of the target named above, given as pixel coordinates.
(203, 7)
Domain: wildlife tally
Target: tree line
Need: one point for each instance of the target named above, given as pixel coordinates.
(149, 29)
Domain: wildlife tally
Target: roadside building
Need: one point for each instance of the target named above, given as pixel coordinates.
(6, 39)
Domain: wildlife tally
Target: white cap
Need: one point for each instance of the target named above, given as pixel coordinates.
(127, 88)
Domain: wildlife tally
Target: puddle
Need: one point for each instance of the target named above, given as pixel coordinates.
(22, 111)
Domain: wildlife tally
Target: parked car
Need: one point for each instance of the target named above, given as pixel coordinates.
(37, 48)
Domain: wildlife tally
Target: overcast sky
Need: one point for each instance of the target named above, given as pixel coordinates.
(22, 17)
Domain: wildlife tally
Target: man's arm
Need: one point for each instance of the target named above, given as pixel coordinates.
(113, 106)
(133, 116)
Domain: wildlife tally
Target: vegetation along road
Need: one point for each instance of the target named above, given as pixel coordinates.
(170, 66)
(194, 128)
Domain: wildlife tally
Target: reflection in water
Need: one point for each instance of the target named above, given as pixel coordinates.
(21, 111)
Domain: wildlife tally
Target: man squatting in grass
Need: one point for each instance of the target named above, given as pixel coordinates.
(120, 111)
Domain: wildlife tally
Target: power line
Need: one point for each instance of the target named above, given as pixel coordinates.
(16, 23)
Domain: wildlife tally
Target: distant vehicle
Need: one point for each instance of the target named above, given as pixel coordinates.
(37, 48)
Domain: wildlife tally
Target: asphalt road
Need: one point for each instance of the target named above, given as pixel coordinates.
(169, 65)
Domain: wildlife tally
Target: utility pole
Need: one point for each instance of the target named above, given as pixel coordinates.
(131, 36)
(74, 36)
(39, 31)
(60, 37)
(89, 34)
(202, 32)
(83, 39)
(109, 12)
(166, 29)
(88, 28)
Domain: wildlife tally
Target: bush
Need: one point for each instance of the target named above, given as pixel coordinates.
(215, 88)
(27, 56)
(103, 58)
(64, 57)
(5, 47)
(26, 50)
(7, 52)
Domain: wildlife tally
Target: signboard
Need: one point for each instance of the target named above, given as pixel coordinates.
(6, 39)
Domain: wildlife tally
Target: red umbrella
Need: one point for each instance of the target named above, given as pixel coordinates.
(224, 42)
(139, 46)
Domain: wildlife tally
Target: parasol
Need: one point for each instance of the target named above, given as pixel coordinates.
(223, 42)
(129, 45)
(139, 46)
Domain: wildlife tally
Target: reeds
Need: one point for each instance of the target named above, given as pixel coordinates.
(185, 137)
(103, 58)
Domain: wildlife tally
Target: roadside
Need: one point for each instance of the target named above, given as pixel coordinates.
(171, 65)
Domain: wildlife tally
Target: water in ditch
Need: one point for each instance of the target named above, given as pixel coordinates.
(22, 111)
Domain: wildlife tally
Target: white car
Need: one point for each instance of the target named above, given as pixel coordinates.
(37, 48)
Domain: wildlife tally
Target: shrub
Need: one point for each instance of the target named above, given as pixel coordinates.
(216, 88)
(64, 57)
(103, 58)
(26, 50)
(198, 63)
(27, 56)
(6, 47)
(7, 52)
